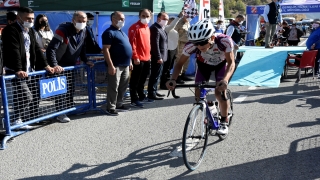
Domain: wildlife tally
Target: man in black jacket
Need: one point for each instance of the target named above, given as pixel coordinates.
(159, 51)
(63, 50)
(21, 55)
(272, 16)
(92, 46)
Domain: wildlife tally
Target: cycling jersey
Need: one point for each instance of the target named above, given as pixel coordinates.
(216, 53)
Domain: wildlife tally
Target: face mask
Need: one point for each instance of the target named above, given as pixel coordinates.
(80, 26)
(145, 21)
(120, 24)
(90, 22)
(314, 26)
(163, 23)
(26, 24)
(240, 22)
(43, 23)
(218, 25)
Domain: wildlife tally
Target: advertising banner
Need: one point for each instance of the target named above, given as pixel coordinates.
(85, 5)
(204, 11)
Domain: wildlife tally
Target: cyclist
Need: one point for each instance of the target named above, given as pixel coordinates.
(212, 54)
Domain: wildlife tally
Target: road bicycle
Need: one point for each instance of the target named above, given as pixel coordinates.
(203, 119)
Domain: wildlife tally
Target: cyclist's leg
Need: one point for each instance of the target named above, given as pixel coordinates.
(219, 73)
(203, 73)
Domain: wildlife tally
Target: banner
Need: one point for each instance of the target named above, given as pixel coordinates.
(85, 5)
(9, 4)
(171, 6)
(221, 10)
(204, 9)
(255, 9)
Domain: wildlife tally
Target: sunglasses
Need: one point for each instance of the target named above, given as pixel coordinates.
(201, 43)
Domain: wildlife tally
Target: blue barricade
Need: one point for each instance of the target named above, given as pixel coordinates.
(42, 96)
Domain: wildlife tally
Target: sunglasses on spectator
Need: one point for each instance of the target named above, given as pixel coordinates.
(201, 43)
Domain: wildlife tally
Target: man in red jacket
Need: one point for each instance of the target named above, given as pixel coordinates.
(139, 37)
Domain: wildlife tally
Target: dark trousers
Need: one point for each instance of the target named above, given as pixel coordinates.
(156, 71)
(65, 101)
(138, 77)
(167, 66)
(25, 98)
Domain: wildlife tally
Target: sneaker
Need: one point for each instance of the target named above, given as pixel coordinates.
(123, 108)
(63, 118)
(223, 129)
(137, 104)
(112, 112)
(19, 121)
(147, 101)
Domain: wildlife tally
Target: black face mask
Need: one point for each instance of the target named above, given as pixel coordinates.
(43, 23)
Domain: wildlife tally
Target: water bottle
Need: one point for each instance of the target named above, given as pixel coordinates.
(212, 108)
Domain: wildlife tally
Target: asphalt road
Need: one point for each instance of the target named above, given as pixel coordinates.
(275, 135)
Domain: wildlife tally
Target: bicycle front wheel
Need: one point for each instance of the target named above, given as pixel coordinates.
(195, 138)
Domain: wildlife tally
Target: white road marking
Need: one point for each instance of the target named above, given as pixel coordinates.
(303, 42)
(240, 99)
(252, 87)
(281, 94)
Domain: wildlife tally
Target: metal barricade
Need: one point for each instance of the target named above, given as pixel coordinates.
(99, 80)
(42, 96)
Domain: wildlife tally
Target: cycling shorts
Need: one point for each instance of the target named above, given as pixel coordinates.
(204, 71)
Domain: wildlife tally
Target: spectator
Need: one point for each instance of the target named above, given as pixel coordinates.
(315, 26)
(313, 42)
(218, 27)
(294, 35)
(234, 31)
(43, 32)
(272, 16)
(304, 29)
(182, 28)
(173, 38)
(117, 53)
(159, 53)
(64, 49)
(260, 40)
(11, 17)
(285, 32)
(139, 37)
(92, 46)
(22, 55)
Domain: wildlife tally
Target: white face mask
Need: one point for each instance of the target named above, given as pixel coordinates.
(80, 26)
(90, 22)
(163, 23)
(26, 24)
(145, 21)
(240, 22)
(120, 24)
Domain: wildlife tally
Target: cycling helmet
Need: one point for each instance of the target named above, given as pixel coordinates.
(201, 31)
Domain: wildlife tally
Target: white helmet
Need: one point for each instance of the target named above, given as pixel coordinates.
(200, 31)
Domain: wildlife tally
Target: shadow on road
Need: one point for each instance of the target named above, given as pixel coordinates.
(151, 157)
(302, 162)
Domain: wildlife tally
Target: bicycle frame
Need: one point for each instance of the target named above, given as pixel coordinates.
(203, 102)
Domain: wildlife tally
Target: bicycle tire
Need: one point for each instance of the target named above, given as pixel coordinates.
(196, 145)
(230, 112)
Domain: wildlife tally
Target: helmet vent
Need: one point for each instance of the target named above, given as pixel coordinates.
(208, 33)
(201, 26)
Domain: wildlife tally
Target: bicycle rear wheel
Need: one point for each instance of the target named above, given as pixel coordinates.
(195, 138)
